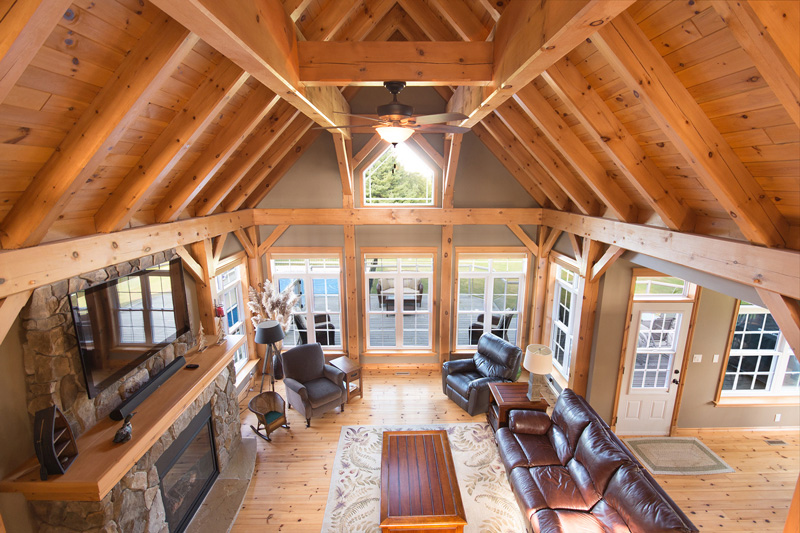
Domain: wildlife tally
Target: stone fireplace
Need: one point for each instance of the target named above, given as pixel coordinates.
(136, 501)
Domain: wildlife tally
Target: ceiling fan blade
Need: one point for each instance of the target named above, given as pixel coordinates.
(361, 116)
(340, 127)
(441, 128)
(439, 118)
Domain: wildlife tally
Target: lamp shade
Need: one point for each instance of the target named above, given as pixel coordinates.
(538, 359)
(268, 332)
(394, 134)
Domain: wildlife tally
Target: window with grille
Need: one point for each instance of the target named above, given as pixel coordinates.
(760, 361)
(398, 177)
(491, 290)
(229, 295)
(655, 349)
(317, 315)
(660, 287)
(565, 305)
(144, 308)
(398, 291)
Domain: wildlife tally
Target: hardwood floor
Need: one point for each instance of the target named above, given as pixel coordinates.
(290, 486)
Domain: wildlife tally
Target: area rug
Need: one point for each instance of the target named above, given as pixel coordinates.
(681, 456)
(354, 496)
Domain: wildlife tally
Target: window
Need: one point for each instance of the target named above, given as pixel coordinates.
(317, 315)
(760, 362)
(144, 308)
(489, 286)
(658, 287)
(229, 295)
(565, 306)
(655, 350)
(398, 177)
(398, 290)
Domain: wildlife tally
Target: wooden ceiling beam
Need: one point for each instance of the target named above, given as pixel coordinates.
(10, 306)
(514, 168)
(185, 188)
(375, 142)
(610, 256)
(575, 152)
(271, 239)
(429, 21)
(583, 198)
(246, 241)
(462, 19)
(390, 216)
(781, 17)
(24, 27)
(786, 312)
(29, 268)
(768, 268)
(451, 168)
(524, 238)
(159, 51)
(256, 175)
(431, 152)
(268, 133)
(768, 58)
(372, 63)
(653, 82)
(295, 8)
(261, 38)
(495, 8)
(514, 147)
(330, 20)
(387, 25)
(612, 136)
(278, 171)
(530, 37)
(369, 13)
(167, 150)
(344, 161)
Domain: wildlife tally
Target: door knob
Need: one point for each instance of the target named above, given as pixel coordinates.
(675, 381)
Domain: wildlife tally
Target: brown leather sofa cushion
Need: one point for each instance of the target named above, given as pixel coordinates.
(525, 450)
(559, 521)
(529, 422)
(600, 455)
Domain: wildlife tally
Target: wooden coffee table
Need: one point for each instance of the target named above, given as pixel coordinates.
(419, 489)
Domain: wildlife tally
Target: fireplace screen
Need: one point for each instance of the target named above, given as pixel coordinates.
(187, 470)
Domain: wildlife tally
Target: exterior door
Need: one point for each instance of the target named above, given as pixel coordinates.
(653, 358)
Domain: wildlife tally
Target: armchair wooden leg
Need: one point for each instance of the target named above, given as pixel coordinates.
(308, 422)
(343, 408)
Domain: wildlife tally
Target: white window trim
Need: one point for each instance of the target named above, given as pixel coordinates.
(239, 328)
(568, 329)
(434, 184)
(398, 313)
(488, 292)
(782, 354)
(307, 277)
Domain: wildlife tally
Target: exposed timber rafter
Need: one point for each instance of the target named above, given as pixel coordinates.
(261, 38)
(653, 82)
(786, 312)
(429, 21)
(530, 37)
(372, 63)
(162, 48)
(364, 20)
(463, 20)
(453, 154)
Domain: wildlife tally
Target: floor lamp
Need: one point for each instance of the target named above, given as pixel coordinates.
(269, 332)
(539, 362)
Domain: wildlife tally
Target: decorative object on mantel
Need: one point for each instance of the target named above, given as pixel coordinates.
(270, 333)
(222, 327)
(539, 362)
(53, 441)
(125, 433)
(201, 339)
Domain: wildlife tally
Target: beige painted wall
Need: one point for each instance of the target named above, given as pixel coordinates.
(15, 420)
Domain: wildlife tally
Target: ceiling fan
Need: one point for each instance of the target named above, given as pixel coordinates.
(397, 121)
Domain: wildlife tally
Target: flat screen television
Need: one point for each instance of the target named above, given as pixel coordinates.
(122, 322)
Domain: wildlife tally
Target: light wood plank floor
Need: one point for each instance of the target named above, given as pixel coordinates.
(290, 486)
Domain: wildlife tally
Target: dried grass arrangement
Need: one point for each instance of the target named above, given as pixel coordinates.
(271, 304)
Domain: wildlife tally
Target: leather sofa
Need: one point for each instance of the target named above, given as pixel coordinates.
(466, 381)
(569, 472)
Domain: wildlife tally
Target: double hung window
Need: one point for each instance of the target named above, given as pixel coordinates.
(491, 289)
(144, 308)
(566, 293)
(229, 295)
(398, 290)
(317, 315)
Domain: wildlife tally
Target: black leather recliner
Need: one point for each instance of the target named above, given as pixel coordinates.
(466, 381)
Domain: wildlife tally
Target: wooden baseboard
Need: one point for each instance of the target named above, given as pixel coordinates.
(688, 432)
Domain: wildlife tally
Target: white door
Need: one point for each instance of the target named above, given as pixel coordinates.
(653, 358)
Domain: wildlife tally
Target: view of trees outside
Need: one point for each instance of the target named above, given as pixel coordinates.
(398, 176)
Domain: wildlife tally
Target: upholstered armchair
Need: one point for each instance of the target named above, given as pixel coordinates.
(466, 381)
(312, 387)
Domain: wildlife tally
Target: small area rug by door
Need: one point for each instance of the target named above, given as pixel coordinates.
(681, 456)
(354, 496)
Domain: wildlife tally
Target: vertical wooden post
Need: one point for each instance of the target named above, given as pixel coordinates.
(584, 334)
(201, 251)
(255, 276)
(540, 289)
(446, 294)
(792, 524)
(351, 286)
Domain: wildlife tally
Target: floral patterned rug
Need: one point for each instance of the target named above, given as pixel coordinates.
(354, 497)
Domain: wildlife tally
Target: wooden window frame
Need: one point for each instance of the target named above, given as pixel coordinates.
(241, 291)
(438, 177)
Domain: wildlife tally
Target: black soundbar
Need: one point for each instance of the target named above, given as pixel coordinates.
(129, 405)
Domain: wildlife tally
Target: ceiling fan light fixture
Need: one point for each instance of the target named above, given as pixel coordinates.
(394, 134)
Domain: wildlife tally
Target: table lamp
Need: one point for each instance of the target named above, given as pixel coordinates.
(539, 362)
(269, 332)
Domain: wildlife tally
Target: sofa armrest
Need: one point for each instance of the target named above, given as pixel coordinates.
(297, 387)
(483, 383)
(457, 366)
(529, 422)
(334, 374)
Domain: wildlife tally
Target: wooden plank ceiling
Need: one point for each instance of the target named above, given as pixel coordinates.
(681, 114)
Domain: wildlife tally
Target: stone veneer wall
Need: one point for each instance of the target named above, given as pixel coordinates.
(52, 362)
(135, 504)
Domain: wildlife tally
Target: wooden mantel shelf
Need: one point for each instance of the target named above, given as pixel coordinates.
(101, 464)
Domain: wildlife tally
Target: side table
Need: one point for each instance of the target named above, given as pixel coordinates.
(352, 371)
(508, 396)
